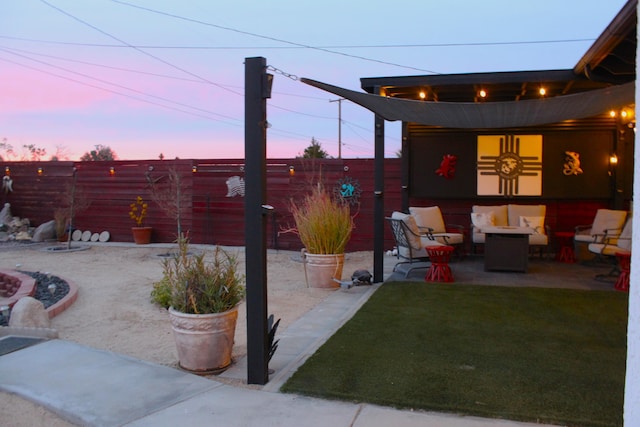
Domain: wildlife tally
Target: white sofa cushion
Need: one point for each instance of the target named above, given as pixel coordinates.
(516, 211)
(480, 220)
(500, 215)
(534, 222)
(429, 217)
(607, 219)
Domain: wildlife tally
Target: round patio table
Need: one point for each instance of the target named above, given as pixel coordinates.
(439, 271)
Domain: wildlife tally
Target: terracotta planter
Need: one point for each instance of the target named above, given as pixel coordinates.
(321, 269)
(204, 341)
(141, 235)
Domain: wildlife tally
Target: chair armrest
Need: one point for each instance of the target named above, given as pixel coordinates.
(454, 228)
(426, 232)
(581, 229)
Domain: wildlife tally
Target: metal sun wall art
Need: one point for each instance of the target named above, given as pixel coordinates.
(509, 165)
(572, 163)
(447, 167)
(348, 190)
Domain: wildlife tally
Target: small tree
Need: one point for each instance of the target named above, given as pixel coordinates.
(171, 197)
(72, 201)
(101, 153)
(314, 151)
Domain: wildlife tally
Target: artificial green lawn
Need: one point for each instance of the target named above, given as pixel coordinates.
(532, 354)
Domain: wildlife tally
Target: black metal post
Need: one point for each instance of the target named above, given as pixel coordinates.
(255, 151)
(404, 177)
(378, 207)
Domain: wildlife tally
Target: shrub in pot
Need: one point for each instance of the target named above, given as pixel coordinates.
(202, 296)
(324, 225)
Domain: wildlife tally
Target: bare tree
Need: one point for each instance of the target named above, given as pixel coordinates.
(170, 196)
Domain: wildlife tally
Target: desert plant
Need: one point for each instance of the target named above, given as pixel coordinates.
(323, 223)
(138, 211)
(193, 285)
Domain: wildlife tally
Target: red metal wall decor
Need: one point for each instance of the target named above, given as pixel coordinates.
(447, 167)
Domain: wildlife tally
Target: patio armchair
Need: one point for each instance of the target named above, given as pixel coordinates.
(410, 242)
(430, 220)
(607, 224)
(610, 246)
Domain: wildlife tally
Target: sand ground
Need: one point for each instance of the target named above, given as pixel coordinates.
(113, 311)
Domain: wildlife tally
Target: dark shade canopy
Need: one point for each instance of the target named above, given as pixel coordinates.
(489, 115)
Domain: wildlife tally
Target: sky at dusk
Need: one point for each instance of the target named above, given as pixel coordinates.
(151, 77)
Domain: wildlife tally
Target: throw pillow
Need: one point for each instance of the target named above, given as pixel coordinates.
(480, 220)
(535, 222)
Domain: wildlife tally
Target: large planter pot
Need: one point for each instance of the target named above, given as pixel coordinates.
(141, 235)
(321, 269)
(204, 341)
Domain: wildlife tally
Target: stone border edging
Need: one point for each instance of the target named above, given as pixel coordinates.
(66, 301)
(26, 289)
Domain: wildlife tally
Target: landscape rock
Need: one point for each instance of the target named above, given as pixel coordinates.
(46, 231)
(28, 312)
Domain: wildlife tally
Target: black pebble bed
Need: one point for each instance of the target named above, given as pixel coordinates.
(42, 291)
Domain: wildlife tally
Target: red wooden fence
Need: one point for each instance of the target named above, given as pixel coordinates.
(213, 216)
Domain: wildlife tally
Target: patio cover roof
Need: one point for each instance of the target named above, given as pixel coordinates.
(467, 115)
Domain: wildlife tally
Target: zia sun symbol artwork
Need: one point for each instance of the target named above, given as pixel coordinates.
(509, 165)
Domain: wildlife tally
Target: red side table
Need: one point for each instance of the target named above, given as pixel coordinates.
(439, 270)
(624, 262)
(565, 246)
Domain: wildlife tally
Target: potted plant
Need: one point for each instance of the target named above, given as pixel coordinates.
(141, 235)
(202, 297)
(324, 225)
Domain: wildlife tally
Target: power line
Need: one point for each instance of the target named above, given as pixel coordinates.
(235, 30)
(373, 46)
(93, 64)
(136, 48)
(117, 92)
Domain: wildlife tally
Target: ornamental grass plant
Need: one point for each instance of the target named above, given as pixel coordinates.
(192, 284)
(323, 223)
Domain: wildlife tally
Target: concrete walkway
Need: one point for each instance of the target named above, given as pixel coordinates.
(99, 388)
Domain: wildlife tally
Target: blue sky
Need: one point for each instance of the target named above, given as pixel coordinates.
(148, 77)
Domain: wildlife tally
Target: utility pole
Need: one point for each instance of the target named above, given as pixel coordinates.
(339, 101)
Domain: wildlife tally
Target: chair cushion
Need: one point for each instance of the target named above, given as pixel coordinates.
(607, 219)
(429, 217)
(499, 212)
(535, 222)
(624, 241)
(516, 211)
(414, 236)
(538, 239)
(449, 238)
(609, 250)
(587, 238)
(479, 219)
